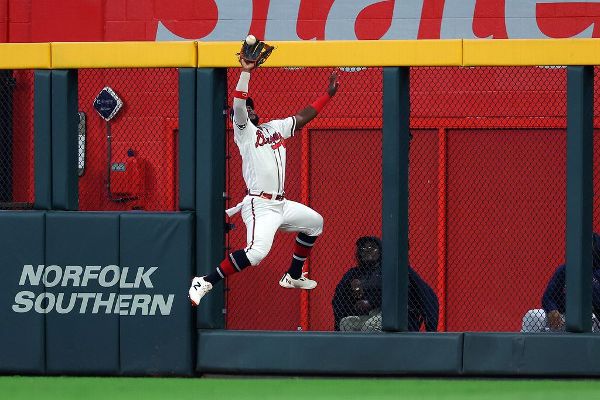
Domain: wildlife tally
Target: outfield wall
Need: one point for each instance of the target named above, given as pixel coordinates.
(96, 293)
(123, 340)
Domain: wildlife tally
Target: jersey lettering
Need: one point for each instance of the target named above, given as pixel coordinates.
(278, 144)
(275, 140)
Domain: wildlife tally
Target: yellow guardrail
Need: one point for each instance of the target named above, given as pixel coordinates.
(363, 53)
(531, 52)
(25, 56)
(347, 53)
(123, 54)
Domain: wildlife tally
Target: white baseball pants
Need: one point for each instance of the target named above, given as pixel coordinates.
(264, 217)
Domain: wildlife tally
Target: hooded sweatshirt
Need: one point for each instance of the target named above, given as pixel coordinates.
(423, 304)
(554, 297)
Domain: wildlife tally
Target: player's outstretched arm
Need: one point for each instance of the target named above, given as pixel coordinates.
(308, 113)
(240, 113)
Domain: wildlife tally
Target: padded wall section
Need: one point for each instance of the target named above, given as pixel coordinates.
(42, 126)
(531, 354)
(156, 334)
(211, 84)
(65, 120)
(22, 332)
(187, 139)
(329, 353)
(83, 336)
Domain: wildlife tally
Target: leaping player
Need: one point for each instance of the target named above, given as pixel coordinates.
(265, 208)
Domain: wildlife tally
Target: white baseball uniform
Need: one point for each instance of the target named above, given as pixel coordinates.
(265, 209)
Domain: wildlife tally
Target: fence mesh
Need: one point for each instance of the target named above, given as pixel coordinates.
(501, 157)
(487, 183)
(130, 161)
(486, 208)
(596, 204)
(16, 139)
(334, 166)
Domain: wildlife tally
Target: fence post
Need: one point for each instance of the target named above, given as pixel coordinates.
(65, 120)
(187, 139)
(210, 185)
(396, 133)
(580, 131)
(42, 153)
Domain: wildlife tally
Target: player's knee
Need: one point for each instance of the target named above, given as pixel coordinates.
(316, 225)
(256, 255)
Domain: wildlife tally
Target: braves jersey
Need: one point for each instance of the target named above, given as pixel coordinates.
(263, 153)
(262, 147)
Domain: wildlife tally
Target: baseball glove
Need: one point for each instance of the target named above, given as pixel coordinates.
(255, 53)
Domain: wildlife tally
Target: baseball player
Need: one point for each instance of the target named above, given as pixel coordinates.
(265, 209)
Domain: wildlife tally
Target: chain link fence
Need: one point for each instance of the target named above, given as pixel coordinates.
(550, 314)
(333, 166)
(16, 139)
(596, 205)
(487, 199)
(500, 135)
(487, 183)
(128, 161)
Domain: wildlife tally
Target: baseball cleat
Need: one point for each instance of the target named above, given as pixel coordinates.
(301, 283)
(198, 289)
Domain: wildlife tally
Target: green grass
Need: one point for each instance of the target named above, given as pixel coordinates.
(67, 388)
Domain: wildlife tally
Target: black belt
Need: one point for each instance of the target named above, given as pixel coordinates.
(268, 196)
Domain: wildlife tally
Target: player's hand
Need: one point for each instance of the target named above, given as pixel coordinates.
(555, 320)
(362, 307)
(333, 84)
(246, 65)
(356, 287)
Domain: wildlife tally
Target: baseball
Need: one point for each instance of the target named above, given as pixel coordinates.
(250, 39)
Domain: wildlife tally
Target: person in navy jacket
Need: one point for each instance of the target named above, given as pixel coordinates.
(357, 299)
(551, 317)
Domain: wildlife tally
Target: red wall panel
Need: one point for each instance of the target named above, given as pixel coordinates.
(72, 21)
(19, 10)
(147, 124)
(423, 207)
(345, 187)
(22, 141)
(506, 225)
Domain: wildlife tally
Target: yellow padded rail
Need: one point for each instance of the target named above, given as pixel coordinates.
(350, 53)
(364, 53)
(531, 52)
(25, 56)
(123, 54)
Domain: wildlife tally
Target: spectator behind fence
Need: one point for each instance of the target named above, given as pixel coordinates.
(551, 317)
(357, 299)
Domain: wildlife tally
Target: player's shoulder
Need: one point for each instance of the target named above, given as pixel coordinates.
(276, 121)
(284, 124)
(266, 126)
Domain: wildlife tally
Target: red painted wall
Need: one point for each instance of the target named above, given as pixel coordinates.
(147, 124)
(113, 20)
(23, 137)
(506, 223)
